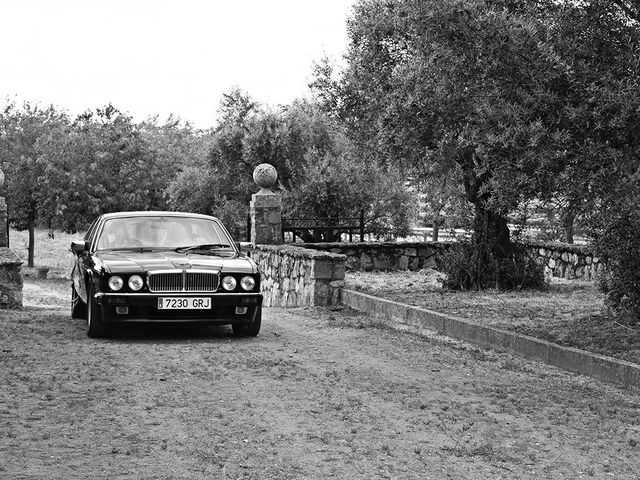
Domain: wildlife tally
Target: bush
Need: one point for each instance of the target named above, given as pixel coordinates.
(473, 267)
(617, 241)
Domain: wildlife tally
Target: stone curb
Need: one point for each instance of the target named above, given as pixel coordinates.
(572, 359)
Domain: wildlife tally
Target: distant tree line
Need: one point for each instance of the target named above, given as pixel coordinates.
(62, 172)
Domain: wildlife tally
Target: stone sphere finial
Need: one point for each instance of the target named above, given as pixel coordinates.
(265, 176)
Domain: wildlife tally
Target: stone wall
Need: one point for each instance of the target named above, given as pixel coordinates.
(559, 259)
(368, 256)
(293, 276)
(298, 277)
(10, 280)
(567, 261)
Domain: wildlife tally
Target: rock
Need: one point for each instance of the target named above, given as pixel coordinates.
(265, 176)
(433, 278)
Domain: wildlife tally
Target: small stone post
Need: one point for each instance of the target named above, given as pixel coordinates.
(10, 274)
(266, 208)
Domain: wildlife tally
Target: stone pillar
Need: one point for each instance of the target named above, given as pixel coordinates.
(266, 208)
(10, 274)
(10, 280)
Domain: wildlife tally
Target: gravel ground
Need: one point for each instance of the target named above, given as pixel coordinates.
(318, 394)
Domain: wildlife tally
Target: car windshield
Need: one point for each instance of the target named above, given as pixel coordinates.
(162, 232)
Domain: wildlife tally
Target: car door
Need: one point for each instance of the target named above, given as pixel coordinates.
(82, 263)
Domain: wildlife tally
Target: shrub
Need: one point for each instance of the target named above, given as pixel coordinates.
(617, 241)
(466, 268)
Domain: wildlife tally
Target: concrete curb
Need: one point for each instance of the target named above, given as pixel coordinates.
(572, 359)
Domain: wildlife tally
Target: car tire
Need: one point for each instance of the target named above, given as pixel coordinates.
(96, 328)
(249, 329)
(78, 307)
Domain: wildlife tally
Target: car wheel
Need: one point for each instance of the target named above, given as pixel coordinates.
(249, 329)
(78, 307)
(95, 326)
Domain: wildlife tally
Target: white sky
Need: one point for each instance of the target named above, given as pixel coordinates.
(159, 57)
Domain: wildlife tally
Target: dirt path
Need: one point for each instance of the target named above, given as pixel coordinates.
(317, 395)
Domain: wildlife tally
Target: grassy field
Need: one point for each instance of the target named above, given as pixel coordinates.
(50, 251)
(567, 312)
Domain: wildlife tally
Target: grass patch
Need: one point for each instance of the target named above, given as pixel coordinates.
(567, 312)
(51, 251)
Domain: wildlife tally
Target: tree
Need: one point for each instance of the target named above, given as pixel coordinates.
(501, 91)
(341, 186)
(443, 203)
(20, 131)
(100, 163)
(311, 154)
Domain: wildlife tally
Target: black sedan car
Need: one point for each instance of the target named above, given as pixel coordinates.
(163, 267)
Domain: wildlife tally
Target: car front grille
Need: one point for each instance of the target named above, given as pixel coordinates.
(183, 281)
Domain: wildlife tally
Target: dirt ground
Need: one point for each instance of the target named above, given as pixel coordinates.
(318, 394)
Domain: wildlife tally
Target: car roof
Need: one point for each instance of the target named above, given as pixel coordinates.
(153, 213)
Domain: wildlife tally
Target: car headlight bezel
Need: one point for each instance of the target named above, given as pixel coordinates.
(115, 283)
(229, 283)
(135, 283)
(247, 283)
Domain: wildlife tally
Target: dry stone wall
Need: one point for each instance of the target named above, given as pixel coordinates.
(368, 256)
(298, 277)
(558, 259)
(567, 261)
(313, 275)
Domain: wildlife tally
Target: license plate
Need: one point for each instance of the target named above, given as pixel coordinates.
(184, 303)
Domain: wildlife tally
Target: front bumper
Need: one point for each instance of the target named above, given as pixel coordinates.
(225, 308)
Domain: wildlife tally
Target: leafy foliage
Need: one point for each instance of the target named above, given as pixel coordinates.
(469, 267)
(62, 173)
(317, 170)
(20, 130)
(332, 186)
(617, 240)
(519, 100)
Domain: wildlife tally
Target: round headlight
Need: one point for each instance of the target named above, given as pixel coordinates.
(229, 283)
(135, 282)
(247, 283)
(115, 283)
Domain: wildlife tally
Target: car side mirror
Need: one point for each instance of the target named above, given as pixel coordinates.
(243, 245)
(79, 247)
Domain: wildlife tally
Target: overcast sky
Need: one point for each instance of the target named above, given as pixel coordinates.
(152, 57)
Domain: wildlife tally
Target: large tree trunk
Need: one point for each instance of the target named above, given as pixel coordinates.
(492, 230)
(491, 238)
(568, 222)
(436, 232)
(493, 247)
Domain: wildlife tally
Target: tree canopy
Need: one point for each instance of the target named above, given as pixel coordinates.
(519, 100)
(318, 172)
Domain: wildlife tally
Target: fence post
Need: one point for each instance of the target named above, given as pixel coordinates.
(362, 225)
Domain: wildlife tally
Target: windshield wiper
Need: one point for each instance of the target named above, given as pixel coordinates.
(203, 246)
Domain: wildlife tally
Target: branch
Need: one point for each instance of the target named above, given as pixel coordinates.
(624, 6)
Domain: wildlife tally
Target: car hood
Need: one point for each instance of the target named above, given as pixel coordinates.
(135, 262)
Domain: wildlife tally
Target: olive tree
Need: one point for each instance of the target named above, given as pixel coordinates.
(510, 95)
